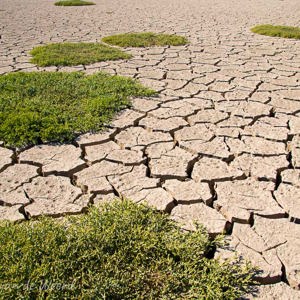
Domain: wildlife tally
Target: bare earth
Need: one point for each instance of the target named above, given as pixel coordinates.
(220, 145)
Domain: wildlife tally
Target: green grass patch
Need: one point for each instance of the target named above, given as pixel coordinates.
(145, 39)
(73, 3)
(122, 251)
(279, 31)
(39, 107)
(72, 54)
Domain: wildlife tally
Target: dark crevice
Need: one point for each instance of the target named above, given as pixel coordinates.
(6, 166)
(283, 272)
(23, 212)
(190, 166)
(251, 219)
(68, 173)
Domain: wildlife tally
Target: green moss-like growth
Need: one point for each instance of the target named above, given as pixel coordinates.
(144, 39)
(72, 54)
(41, 107)
(122, 251)
(280, 31)
(73, 3)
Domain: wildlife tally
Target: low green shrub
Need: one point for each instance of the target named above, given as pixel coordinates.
(120, 251)
(40, 107)
(73, 54)
(280, 31)
(73, 3)
(145, 39)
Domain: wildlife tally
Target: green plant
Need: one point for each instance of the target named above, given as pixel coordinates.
(144, 39)
(72, 54)
(120, 251)
(39, 107)
(280, 31)
(73, 3)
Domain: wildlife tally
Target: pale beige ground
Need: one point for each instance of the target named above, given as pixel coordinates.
(220, 145)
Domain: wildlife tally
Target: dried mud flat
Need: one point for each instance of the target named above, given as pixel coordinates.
(219, 145)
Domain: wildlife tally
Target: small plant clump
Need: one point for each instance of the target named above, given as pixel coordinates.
(120, 250)
(279, 31)
(73, 3)
(72, 54)
(145, 39)
(40, 107)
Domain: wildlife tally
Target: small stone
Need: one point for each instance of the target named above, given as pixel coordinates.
(188, 192)
(198, 213)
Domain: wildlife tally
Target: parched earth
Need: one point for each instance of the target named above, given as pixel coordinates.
(219, 145)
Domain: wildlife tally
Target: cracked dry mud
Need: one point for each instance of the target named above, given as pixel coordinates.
(220, 145)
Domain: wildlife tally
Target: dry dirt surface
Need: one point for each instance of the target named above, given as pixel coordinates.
(219, 145)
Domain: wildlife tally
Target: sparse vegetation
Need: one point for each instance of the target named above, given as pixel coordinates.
(279, 31)
(40, 107)
(120, 251)
(72, 54)
(73, 3)
(144, 39)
